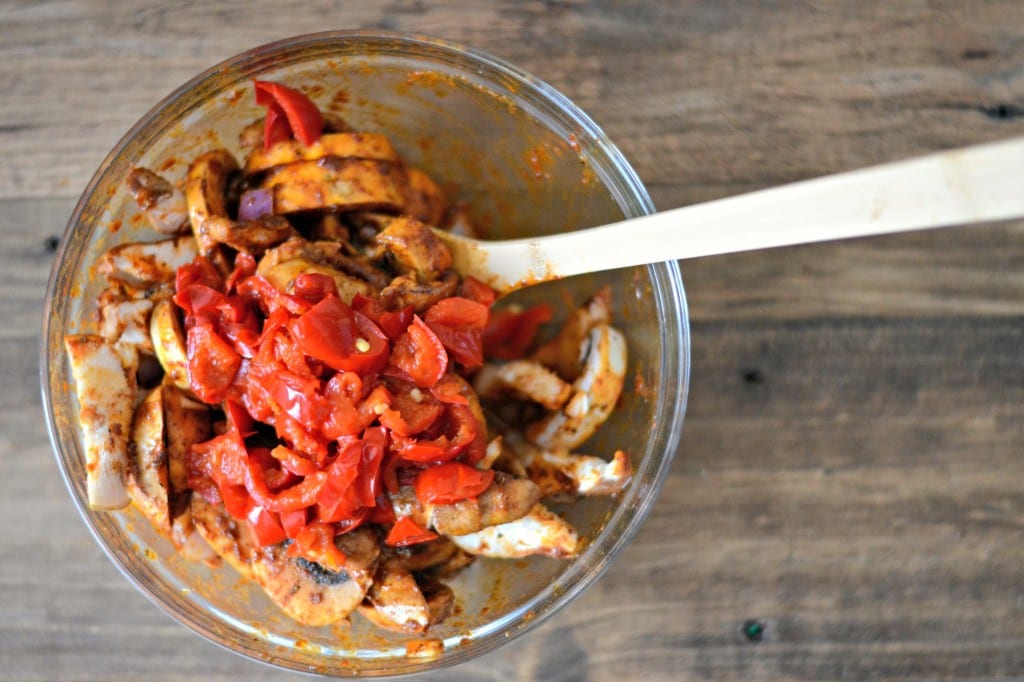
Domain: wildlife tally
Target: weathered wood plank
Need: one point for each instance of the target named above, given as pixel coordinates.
(850, 474)
(701, 107)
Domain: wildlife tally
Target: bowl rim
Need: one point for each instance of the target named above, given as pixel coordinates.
(667, 286)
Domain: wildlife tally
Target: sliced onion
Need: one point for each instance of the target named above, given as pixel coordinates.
(255, 203)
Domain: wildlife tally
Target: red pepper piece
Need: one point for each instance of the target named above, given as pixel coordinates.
(451, 482)
(303, 117)
(407, 532)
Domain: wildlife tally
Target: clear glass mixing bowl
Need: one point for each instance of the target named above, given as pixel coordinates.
(526, 161)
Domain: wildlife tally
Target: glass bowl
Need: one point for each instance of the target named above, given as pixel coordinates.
(526, 161)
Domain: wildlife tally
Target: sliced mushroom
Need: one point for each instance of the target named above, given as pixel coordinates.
(595, 394)
(147, 473)
(408, 290)
(562, 474)
(337, 184)
(187, 422)
(124, 319)
(306, 591)
(231, 539)
(394, 601)
(414, 248)
(105, 399)
(312, 594)
(506, 499)
(162, 203)
(440, 601)
(565, 352)
(284, 263)
(424, 200)
(341, 145)
(206, 193)
(525, 379)
(283, 276)
(169, 342)
(540, 532)
(141, 265)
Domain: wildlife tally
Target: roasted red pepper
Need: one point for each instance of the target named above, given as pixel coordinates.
(407, 532)
(420, 354)
(459, 323)
(451, 482)
(509, 334)
(302, 117)
(341, 338)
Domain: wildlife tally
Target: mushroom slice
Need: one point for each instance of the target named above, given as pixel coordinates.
(424, 200)
(408, 290)
(205, 191)
(526, 379)
(142, 264)
(231, 539)
(562, 474)
(394, 601)
(194, 547)
(169, 343)
(337, 184)
(283, 276)
(147, 473)
(187, 422)
(106, 400)
(282, 264)
(564, 352)
(306, 591)
(413, 247)
(595, 393)
(312, 594)
(506, 499)
(426, 555)
(162, 203)
(539, 532)
(124, 320)
(440, 601)
(341, 145)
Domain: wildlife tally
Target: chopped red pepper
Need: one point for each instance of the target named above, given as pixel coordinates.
(407, 532)
(266, 527)
(509, 334)
(458, 431)
(475, 290)
(212, 364)
(420, 355)
(362, 401)
(340, 337)
(451, 482)
(303, 118)
(459, 323)
(315, 543)
(411, 412)
(293, 522)
(275, 126)
(314, 287)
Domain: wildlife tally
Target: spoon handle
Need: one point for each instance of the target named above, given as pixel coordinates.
(969, 185)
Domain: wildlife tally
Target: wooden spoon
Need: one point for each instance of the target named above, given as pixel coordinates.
(970, 185)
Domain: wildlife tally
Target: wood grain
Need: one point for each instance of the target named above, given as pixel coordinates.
(850, 474)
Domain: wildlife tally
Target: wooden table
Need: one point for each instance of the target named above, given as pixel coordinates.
(847, 502)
